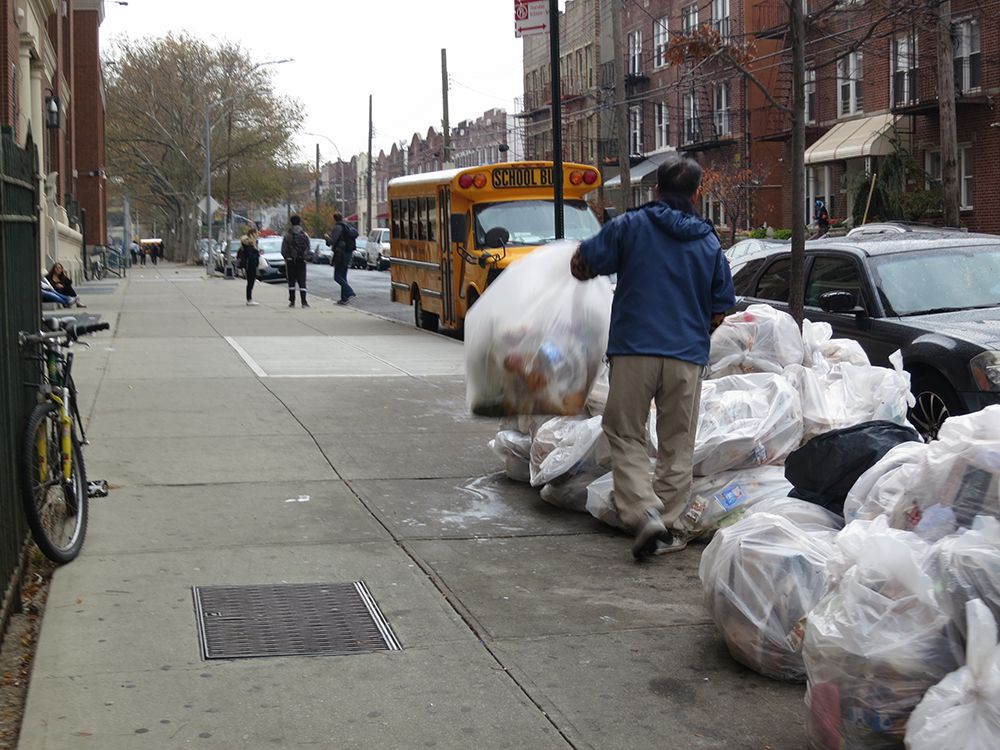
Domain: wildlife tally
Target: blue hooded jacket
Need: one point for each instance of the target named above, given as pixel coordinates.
(672, 278)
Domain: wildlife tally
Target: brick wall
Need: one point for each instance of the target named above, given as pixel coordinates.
(88, 126)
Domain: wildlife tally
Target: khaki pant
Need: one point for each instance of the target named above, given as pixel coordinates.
(675, 386)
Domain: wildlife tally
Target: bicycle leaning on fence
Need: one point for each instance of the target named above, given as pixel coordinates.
(54, 481)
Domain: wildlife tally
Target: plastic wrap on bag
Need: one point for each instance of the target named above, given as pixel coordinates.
(568, 445)
(514, 447)
(825, 469)
(597, 399)
(883, 485)
(876, 643)
(758, 339)
(966, 567)
(956, 479)
(727, 494)
(822, 351)
(535, 339)
(805, 515)
(962, 712)
(746, 421)
(601, 501)
(761, 577)
(569, 492)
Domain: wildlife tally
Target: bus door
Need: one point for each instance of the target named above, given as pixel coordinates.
(447, 256)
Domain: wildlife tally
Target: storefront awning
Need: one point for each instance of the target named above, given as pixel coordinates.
(853, 139)
(641, 170)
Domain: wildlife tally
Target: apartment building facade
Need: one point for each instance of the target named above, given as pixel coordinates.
(51, 93)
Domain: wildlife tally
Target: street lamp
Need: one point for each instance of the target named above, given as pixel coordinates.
(208, 153)
(340, 165)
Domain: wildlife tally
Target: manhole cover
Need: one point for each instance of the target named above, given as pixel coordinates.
(292, 619)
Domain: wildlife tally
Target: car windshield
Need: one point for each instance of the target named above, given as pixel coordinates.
(532, 222)
(944, 280)
(269, 244)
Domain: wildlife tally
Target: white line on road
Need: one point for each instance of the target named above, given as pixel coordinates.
(251, 362)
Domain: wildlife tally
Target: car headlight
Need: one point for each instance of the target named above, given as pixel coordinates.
(986, 371)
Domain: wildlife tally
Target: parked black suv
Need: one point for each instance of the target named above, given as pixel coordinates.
(935, 296)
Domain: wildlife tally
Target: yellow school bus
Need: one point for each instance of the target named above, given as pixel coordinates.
(452, 232)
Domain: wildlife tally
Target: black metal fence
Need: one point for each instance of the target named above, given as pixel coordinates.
(20, 310)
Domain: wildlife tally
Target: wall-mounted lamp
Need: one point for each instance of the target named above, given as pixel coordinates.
(51, 112)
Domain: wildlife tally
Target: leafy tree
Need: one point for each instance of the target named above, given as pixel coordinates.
(160, 92)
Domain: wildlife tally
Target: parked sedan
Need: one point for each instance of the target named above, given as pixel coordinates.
(270, 250)
(743, 249)
(934, 296)
(360, 257)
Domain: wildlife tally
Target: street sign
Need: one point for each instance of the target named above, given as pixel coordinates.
(531, 17)
(213, 205)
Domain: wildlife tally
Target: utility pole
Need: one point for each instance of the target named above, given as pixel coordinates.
(621, 107)
(318, 229)
(445, 127)
(368, 186)
(229, 177)
(557, 160)
(796, 282)
(946, 116)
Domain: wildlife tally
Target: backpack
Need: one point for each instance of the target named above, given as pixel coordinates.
(301, 244)
(349, 235)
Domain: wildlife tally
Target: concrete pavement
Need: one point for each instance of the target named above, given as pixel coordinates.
(263, 445)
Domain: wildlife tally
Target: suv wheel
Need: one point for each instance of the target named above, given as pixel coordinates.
(935, 402)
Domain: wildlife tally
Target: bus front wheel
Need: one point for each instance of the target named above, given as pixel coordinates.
(423, 319)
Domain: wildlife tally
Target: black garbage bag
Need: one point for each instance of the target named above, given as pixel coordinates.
(823, 470)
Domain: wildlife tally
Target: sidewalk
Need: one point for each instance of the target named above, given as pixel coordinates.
(264, 445)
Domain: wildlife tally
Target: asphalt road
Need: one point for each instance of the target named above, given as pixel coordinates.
(372, 288)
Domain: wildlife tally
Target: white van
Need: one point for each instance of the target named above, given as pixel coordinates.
(378, 248)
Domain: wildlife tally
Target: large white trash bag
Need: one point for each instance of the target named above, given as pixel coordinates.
(569, 446)
(966, 567)
(962, 712)
(761, 577)
(535, 340)
(805, 515)
(880, 488)
(514, 448)
(758, 339)
(746, 421)
(601, 501)
(822, 351)
(957, 478)
(876, 643)
(728, 494)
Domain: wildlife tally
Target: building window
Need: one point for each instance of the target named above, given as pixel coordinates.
(635, 53)
(904, 68)
(720, 17)
(722, 119)
(660, 41)
(713, 210)
(810, 87)
(692, 130)
(932, 165)
(689, 19)
(635, 129)
(850, 70)
(968, 62)
(662, 124)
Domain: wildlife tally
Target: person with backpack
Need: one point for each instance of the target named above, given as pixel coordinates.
(342, 239)
(295, 249)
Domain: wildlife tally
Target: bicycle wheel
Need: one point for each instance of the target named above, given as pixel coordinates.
(56, 510)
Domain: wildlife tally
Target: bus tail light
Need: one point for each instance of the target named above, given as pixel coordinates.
(576, 177)
(465, 181)
(479, 180)
(589, 177)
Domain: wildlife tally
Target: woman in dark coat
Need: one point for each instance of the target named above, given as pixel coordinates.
(62, 284)
(251, 258)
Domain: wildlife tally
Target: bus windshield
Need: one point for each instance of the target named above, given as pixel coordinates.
(532, 222)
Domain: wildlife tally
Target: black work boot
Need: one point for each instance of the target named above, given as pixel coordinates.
(291, 298)
(304, 302)
(651, 531)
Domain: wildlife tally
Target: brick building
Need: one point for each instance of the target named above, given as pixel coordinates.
(51, 90)
(871, 97)
(481, 141)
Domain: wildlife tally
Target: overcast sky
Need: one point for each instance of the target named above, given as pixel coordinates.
(344, 51)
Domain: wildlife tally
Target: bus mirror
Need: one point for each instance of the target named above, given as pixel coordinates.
(497, 237)
(459, 228)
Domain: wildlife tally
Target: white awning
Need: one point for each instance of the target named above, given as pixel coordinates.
(642, 169)
(853, 139)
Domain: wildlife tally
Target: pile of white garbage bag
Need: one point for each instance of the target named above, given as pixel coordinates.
(892, 619)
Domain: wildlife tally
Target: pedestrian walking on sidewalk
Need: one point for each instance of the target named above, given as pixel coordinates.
(674, 287)
(251, 259)
(342, 239)
(141, 250)
(294, 249)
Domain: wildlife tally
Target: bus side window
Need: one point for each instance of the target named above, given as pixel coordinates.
(431, 219)
(421, 218)
(413, 218)
(394, 208)
(404, 210)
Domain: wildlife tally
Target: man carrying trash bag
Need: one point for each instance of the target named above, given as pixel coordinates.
(674, 288)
